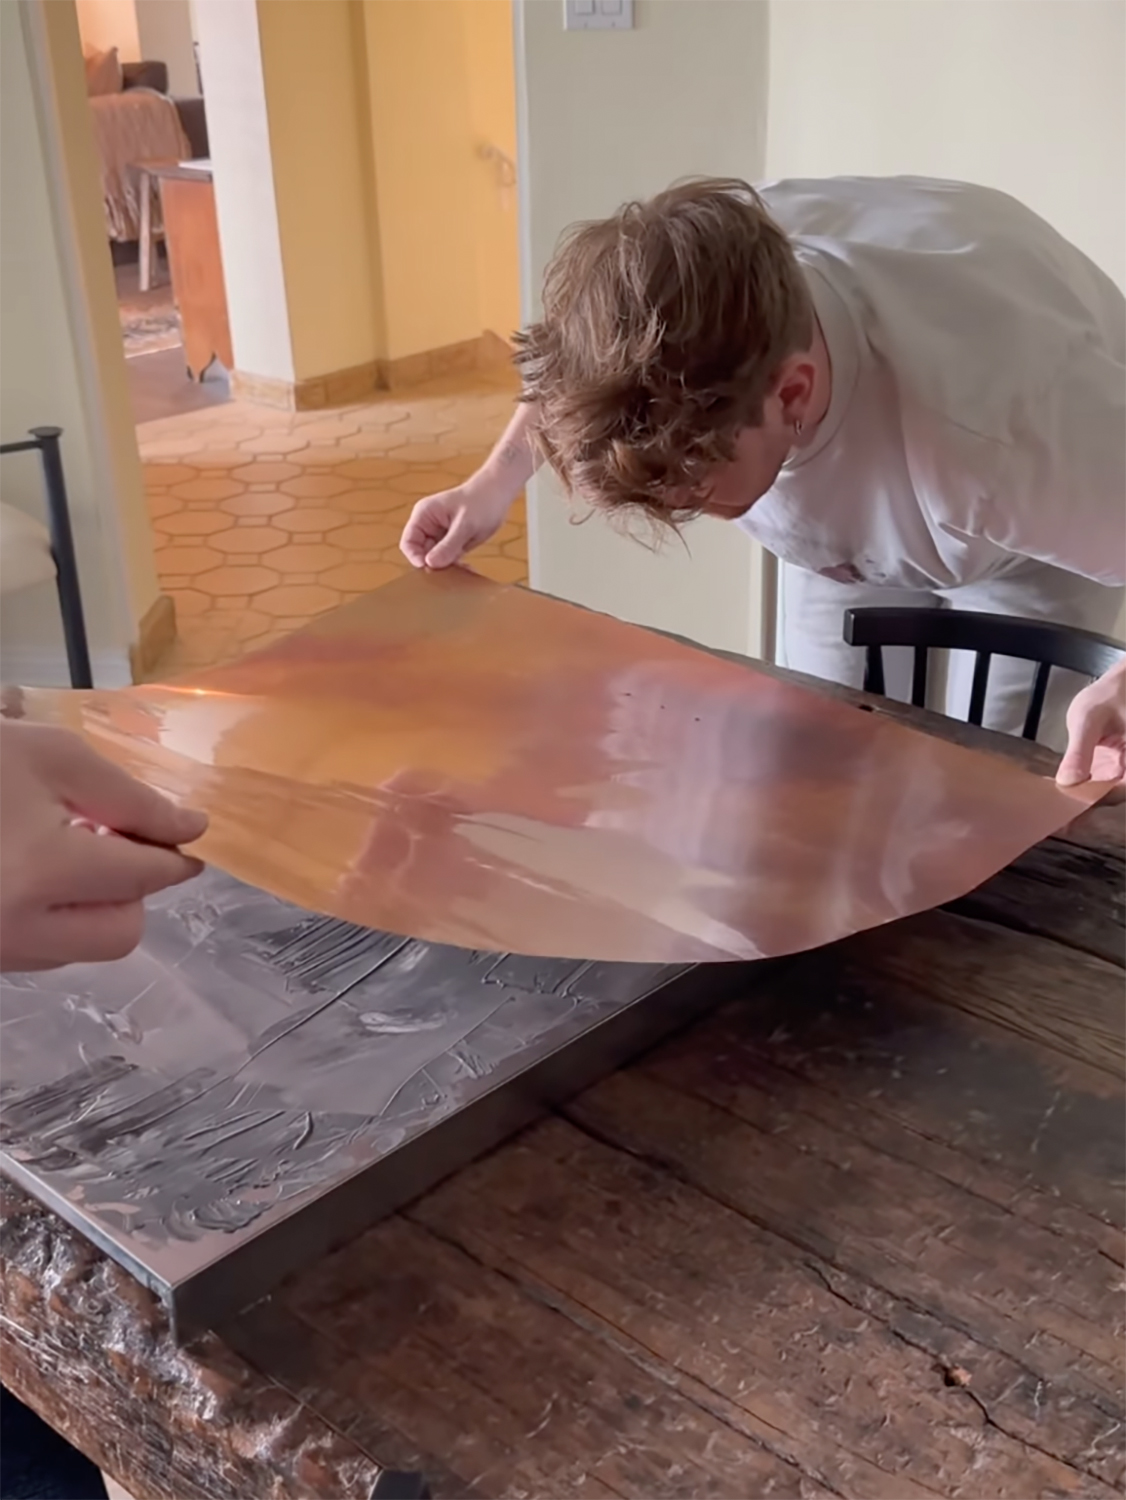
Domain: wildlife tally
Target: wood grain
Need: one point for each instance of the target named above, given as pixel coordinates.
(521, 1399)
(191, 233)
(810, 1361)
(1072, 893)
(89, 1349)
(845, 1206)
(1069, 1001)
(858, 1234)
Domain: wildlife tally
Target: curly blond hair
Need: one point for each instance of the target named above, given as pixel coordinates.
(662, 330)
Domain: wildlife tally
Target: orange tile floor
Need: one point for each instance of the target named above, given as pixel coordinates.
(264, 519)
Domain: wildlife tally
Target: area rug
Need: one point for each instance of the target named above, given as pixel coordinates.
(148, 326)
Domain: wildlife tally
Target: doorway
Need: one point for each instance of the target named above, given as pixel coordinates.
(380, 216)
(146, 106)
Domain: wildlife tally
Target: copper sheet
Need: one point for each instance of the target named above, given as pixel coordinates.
(474, 764)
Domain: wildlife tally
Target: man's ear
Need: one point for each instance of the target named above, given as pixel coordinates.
(793, 386)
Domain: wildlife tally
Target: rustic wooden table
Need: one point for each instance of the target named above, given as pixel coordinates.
(859, 1234)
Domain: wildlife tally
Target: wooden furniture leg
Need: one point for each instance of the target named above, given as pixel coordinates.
(145, 267)
(191, 235)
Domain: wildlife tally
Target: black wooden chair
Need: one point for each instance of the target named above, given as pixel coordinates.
(987, 636)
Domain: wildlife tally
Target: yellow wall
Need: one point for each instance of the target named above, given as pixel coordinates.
(423, 161)
(312, 65)
(110, 23)
(60, 356)
(441, 84)
(492, 118)
(358, 216)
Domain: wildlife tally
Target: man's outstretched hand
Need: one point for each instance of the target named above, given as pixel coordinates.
(1096, 732)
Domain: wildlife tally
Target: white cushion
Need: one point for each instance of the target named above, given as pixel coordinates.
(25, 551)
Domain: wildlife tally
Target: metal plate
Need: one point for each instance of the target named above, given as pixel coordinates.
(460, 763)
(472, 764)
(258, 1084)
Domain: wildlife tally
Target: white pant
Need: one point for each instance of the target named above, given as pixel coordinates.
(812, 638)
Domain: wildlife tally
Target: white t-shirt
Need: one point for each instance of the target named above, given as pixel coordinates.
(978, 411)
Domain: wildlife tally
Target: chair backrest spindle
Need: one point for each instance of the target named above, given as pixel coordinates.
(979, 687)
(874, 671)
(987, 636)
(1036, 701)
(919, 678)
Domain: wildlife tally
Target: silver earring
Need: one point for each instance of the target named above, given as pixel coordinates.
(798, 424)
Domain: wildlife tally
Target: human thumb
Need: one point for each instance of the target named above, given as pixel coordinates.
(453, 545)
(1082, 739)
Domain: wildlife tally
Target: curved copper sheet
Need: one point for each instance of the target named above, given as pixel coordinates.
(474, 764)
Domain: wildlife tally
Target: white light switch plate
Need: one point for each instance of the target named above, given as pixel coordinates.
(597, 15)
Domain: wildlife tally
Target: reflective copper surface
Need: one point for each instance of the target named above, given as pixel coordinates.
(468, 763)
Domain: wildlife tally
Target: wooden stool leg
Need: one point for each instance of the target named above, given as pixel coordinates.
(144, 280)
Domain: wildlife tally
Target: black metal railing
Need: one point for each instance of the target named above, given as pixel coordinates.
(45, 441)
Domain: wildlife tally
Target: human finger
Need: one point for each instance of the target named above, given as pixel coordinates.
(427, 524)
(1084, 730)
(104, 793)
(88, 868)
(454, 545)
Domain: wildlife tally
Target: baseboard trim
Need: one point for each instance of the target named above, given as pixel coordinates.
(429, 364)
(155, 634)
(496, 352)
(352, 386)
(46, 666)
(338, 388)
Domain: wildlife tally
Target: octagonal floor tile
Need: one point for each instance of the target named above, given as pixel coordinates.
(194, 522)
(274, 442)
(234, 581)
(377, 469)
(164, 475)
(303, 600)
(263, 471)
(207, 489)
(311, 519)
(367, 536)
(314, 486)
(312, 558)
(178, 561)
(258, 503)
(357, 577)
(250, 539)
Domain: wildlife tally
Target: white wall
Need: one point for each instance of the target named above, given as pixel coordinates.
(61, 361)
(230, 56)
(1024, 95)
(606, 116)
(164, 33)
